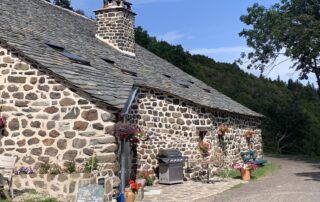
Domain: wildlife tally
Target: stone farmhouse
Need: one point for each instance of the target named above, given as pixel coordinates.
(65, 80)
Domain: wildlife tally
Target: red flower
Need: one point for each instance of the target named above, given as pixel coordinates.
(134, 186)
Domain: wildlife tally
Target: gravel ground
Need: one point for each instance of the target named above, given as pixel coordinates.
(297, 181)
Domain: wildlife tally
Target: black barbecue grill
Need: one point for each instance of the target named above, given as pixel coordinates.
(171, 166)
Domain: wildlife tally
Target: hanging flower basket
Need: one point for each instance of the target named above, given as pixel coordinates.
(128, 132)
(249, 134)
(204, 148)
(3, 121)
(222, 130)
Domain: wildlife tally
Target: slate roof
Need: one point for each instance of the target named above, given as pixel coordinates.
(27, 25)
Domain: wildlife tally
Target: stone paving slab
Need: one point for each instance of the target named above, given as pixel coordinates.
(191, 191)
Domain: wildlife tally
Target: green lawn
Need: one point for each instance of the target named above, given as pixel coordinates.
(260, 172)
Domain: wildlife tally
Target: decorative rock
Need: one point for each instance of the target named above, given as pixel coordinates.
(90, 115)
(88, 134)
(80, 125)
(54, 134)
(33, 141)
(62, 144)
(63, 126)
(14, 124)
(54, 95)
(9, 142)
(12, 88)
(21, 103)
(73, 114)
(44, 159)
(79, 143)
(28, 133)
(51, 151)
(40, 104)
(21, 143)
(51, 110)
(69, 134)
(31, 96)
(70, 155)
(59, 88)
(21, 66)
(88, 152)
(48, 142)
(28, 159)
(36, 151)
(35, 124)
(18, 95)
(42, 116)
(51, 125)
(45, 88)
(15, 79)
(27, 87)
(108, 158)
(108, 117)
(42, 133)
(67, 102)
(97, 126)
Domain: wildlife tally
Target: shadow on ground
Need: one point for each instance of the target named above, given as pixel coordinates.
(315, 176)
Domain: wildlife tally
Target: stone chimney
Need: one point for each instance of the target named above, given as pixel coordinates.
(115, 25)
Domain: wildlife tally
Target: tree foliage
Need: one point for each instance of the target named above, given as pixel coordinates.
(64, 4)
(292, 111)
(290, 28)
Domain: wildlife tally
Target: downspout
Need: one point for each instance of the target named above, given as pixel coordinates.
(125, 144)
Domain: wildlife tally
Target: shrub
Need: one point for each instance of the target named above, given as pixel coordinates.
(90, 164)
(44, 168)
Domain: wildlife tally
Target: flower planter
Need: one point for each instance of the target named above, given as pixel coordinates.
(246, 175)
(129, 196)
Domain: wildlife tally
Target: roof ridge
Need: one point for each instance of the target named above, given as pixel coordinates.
(68, 10)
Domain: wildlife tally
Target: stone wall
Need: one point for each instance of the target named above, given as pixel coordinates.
(171, 122)
(115, 25)
(64, 186)
(48, 122)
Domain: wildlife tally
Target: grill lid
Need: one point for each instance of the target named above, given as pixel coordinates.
(169, 153)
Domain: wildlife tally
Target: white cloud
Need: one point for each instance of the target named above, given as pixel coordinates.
(209, 51)
(173, 36)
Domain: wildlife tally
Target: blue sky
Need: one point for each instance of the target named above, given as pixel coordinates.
(208, 27)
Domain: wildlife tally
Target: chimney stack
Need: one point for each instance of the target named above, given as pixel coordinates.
(115, 25)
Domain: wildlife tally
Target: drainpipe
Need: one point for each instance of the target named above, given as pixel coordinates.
(125, 144)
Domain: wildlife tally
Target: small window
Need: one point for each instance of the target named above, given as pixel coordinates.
(108, 61)
(166, 75)
(207, 90)
(130, 73)
(182, 83)
(190, 81)
(76, 59)
(56, 47)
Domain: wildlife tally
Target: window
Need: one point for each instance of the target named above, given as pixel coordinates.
(72, 57)
(108, 61)
(207, 90)
(166, 75)
(130, 73)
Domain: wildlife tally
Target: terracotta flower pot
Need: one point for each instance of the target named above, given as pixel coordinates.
(245, 174)
(129, 196)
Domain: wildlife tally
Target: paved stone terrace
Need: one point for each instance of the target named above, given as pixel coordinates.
(190, 191)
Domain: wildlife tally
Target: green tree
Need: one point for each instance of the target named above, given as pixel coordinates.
(290, 28)
(63, 3)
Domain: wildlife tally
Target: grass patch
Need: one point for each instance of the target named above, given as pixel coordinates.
(260, 172)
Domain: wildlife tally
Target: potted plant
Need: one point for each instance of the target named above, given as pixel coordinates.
(3, 121)
(129, 132)
(249, 134)
(204, 148)
(130, 193)
(222, 130)
(245, 169)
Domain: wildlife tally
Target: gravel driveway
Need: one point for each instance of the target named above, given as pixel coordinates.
(298, 180)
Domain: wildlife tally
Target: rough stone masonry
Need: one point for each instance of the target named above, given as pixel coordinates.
(171, 122)
(48, 122)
